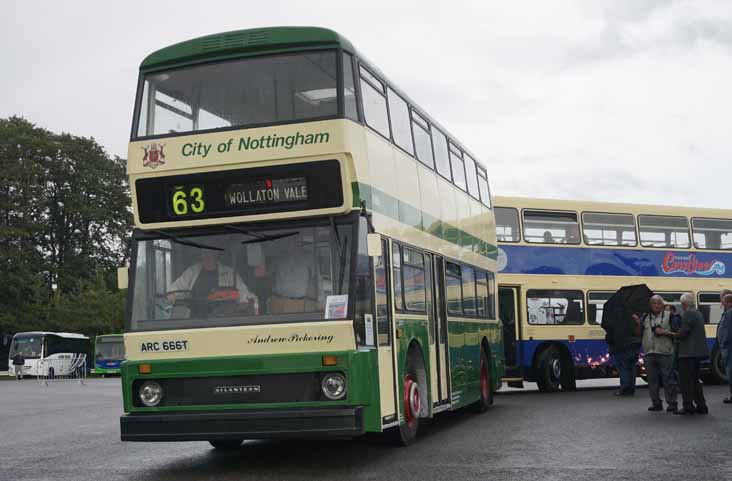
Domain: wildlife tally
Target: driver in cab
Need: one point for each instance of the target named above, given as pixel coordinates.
(205, 279)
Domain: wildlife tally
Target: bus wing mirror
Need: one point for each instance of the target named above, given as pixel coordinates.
(373, 245)
(122, 277)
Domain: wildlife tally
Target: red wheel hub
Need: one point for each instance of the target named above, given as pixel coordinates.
(412, 403)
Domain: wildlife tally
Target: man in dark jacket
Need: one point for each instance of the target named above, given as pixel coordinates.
(623, 339)
(18, 363)
(724, 339)
(692, 350)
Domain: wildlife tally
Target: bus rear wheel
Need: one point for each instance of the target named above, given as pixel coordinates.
(226, 444)
(716, 369)
(486, 390)
(549, 370)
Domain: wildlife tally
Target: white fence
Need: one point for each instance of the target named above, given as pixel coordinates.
(68, 368)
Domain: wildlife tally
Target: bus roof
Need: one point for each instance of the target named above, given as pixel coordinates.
(257, 41)
(220, 46)
(70, 335)
(610, 207)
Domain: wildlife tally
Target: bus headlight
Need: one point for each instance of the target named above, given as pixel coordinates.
(151, 393)
(334, 385)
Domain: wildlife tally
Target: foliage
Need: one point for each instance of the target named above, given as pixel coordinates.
(64, 220)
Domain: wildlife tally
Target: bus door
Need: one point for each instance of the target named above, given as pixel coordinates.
(439, 318)
(508, 299)
(385, 336)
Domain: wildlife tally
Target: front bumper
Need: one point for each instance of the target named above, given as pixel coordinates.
(249, 424)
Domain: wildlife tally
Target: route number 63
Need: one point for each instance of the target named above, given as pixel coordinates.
(193, 200)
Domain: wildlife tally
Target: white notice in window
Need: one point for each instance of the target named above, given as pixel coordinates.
(336, 307)
(369, 329)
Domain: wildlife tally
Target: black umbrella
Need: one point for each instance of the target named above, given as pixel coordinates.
(632, 298)
(618, 310)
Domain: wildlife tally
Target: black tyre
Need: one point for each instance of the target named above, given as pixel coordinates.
(549, 370)
(486, 386)
(226, 444)
(51, 373)
(406, 433)
(717, 374)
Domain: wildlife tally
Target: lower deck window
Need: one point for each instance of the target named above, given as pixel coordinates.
(555, 307)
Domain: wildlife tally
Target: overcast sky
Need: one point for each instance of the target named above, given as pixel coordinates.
(599, 100)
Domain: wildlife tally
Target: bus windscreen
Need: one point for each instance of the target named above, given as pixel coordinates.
(243, 276)
(110, 349)
(28, 346)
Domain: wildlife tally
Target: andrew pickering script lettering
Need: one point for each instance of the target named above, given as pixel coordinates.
(269, 339)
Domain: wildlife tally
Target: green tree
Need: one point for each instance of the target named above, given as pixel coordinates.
(64, 219)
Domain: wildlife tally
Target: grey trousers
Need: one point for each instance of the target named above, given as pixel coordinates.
(659, 369)
(18, 371)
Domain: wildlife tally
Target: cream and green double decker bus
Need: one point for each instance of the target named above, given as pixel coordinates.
(312, 255)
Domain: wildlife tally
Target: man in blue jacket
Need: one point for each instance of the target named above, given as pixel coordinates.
(724, 338)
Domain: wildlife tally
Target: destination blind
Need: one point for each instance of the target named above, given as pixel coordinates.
(294, 187)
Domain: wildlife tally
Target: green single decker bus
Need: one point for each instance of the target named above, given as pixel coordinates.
(313, 255)
(109, 353)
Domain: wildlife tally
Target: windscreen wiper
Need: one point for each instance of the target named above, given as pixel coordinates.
(244, 231)
(267, 238)
(178, 240)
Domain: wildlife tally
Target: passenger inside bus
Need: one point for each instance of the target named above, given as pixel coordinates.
(295, 280)
(548, 237)
(206, 278)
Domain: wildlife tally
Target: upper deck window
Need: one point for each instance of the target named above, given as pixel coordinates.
(458, 169)
(485, 194)
(712, 233)
(472, 176)
(374, 103)
(350, 109)
(608, 229)
(507, 224)
(551, 227)
(252, 91)
(663, 231)
(422, 140)
(400, 128)
(439, 141)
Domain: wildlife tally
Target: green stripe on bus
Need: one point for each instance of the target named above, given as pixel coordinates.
(405, 213)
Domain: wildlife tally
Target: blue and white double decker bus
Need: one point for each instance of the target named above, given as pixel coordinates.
(559, 261)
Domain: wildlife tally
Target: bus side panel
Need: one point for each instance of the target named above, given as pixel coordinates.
(366, 390)
(589, 356)
(458, 368)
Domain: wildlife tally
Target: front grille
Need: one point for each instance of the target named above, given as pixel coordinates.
(262, 388)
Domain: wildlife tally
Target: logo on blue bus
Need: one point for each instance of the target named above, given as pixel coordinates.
(689, 264)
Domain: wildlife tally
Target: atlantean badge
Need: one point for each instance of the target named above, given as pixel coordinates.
(154, 155)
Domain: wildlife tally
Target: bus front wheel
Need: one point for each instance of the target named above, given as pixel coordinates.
(226, 444)
(406, 433)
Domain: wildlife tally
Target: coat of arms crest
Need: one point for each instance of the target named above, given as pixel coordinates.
(154, 155)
